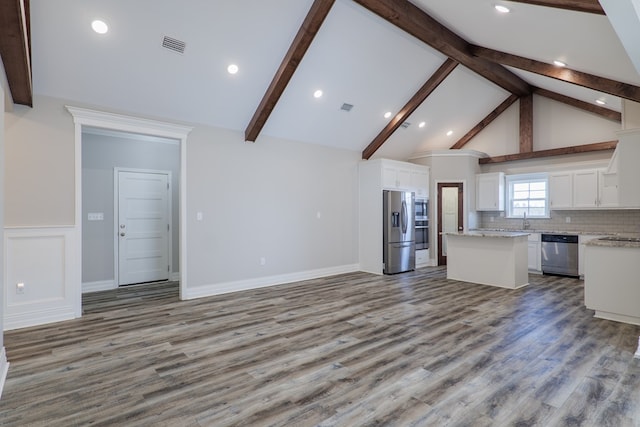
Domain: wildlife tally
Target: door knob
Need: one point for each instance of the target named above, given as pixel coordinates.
(122, 234)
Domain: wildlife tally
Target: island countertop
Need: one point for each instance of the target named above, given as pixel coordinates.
(488, 233)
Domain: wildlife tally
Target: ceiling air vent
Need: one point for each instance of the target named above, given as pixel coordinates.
(405, 125)
(346, 107)
(173, 44)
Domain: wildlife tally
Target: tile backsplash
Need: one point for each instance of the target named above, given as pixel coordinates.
(596, 221)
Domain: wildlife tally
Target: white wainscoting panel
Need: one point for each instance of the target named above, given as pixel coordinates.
(4, 368)
(42, 259)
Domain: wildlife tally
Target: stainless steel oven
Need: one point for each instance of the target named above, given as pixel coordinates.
(422, 223)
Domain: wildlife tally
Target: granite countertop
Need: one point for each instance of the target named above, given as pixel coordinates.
(542, 231)
(490, 233)
(616, 242)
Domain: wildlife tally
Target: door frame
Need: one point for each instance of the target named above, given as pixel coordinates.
(461, 184)
(116, 214)
(83, 117)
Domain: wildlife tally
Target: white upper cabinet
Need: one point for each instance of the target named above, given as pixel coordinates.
(585, 189)
(490, 191)
(608, 196)
(420, 182)
(405, 176)
(561, 190)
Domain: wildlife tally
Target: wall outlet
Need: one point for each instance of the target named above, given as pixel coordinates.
(567, 219)
(20, 288)
(263, 260)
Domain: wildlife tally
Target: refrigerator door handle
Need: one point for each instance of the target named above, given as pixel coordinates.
(405, 218)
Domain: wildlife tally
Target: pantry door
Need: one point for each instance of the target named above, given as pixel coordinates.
(143, 226)
(450, 215)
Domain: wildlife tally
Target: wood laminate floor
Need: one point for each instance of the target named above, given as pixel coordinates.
(352, 350)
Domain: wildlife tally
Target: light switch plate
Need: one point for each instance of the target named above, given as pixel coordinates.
(95, 216)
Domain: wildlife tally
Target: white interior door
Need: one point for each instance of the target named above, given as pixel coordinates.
(143, 227)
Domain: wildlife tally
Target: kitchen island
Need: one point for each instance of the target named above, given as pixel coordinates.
(488, 258)
(611, 285)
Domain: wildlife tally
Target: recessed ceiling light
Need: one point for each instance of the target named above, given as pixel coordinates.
(600, 102)
(559, 63)
(317, 94)
(422, 124)
(99, 26)
(232, 69)
(387, 114)
(450, 133)
(501, 8)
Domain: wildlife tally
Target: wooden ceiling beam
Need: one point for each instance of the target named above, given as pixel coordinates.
(526, 124)
(413, 20)
(310, 27)
(586, 106)
(600, 84)
(15, 49)
(588, 6)
(484, 122)
(598, 146)
(438, 77)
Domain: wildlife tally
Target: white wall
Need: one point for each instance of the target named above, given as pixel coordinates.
(40, 165)
(555, 125)
(100, 155)
(2, 208)
(262, 200)
(258, 201)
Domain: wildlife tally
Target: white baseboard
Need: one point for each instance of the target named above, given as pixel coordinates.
(101, 285)
(175, 277)
(37, 317)
(4, 369)
(261, 282)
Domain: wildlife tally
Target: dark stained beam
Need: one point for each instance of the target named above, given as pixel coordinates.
(438, 77)
(588, 6)
(598, 146)
(15, 49)
(310, 27)
(485, 122)
(586, 106)
(526, 124)
(410, 18)
(601, 84)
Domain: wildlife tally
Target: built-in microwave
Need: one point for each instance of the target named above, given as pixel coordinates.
(422, 209)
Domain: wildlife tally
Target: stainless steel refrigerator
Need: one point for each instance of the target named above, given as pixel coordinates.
(399, 245)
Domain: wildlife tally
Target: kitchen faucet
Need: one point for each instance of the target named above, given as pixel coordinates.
(525, 222)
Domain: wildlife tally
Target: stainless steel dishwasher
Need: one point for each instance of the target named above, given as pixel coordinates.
(560, 254)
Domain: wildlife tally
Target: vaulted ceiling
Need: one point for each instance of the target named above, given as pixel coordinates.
(452, 65)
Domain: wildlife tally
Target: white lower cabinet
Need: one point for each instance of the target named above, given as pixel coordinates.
(422, 258)
(534, 259)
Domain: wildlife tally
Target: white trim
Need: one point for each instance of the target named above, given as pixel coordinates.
(448, 153)
(116, 216)
(130, 136)
(175, 276)
(99, 119)
(97, 286)
(261, 282)
(4, 369)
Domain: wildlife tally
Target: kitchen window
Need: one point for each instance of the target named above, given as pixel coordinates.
(527, 195)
